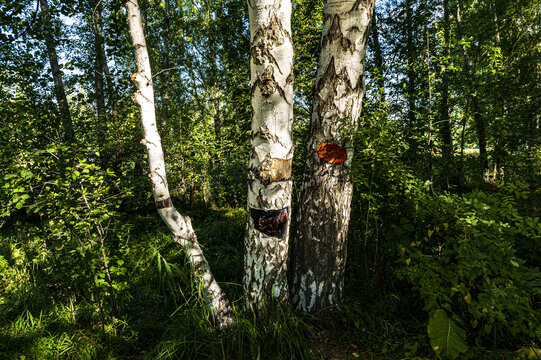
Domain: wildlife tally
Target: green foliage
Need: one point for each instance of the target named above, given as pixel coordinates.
(447, 338)
(74, 203)
(283, 336)
(468, 265)
(161, 314)
(472, 254)
(87, 269)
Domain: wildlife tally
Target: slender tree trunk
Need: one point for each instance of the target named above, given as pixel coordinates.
(214, 89)
(482, 137)
(410, 73)
(103, 80)
(59, 90)
(111, 94)
(166, 65)
(269, 169)
(99, 66)
(378, 57)
(499, 142)
(116, 29)
(429, 152)
(462, 133)
(478, 118)
(110, 87)
(318, 254)
(180, 226)
(496, 25)
(445, 120)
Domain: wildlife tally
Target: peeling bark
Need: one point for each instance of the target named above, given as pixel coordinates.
(269, 169)
(318, 253)
(180, 226)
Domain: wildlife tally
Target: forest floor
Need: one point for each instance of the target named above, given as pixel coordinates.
(161, 316)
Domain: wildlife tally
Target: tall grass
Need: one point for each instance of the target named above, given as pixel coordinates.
(162, 314)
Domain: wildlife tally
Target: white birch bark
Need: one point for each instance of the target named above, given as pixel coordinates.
(180, 226)
(318, 252)
(269, 170)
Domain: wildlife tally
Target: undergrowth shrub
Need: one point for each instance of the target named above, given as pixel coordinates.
(467, 264)
(469, 256)
(464, 254)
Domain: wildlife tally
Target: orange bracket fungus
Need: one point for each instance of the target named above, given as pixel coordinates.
(332, 153)
(270, 222)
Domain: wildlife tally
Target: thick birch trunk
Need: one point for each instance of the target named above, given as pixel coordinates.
(269, 170)
(180, 226)
(318, 253)
(59, 90)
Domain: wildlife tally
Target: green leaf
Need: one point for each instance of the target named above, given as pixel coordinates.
(529, 353)
(514, 263)
(446, 337)
(25, 174)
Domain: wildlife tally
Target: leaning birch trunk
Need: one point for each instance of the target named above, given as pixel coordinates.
(271, 154)
(318, 252)
(180, 226)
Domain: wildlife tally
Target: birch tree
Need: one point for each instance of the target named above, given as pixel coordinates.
(318, 253)
(180, 226)
(269, 170)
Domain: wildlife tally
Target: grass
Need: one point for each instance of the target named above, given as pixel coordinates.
(162, 317)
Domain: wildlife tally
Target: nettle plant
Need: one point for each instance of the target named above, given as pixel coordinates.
(75, 242)
(474, 282)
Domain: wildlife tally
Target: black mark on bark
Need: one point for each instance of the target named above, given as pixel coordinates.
(164, 204)
(271, 222)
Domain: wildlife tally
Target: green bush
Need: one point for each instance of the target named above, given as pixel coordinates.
(467, 264)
